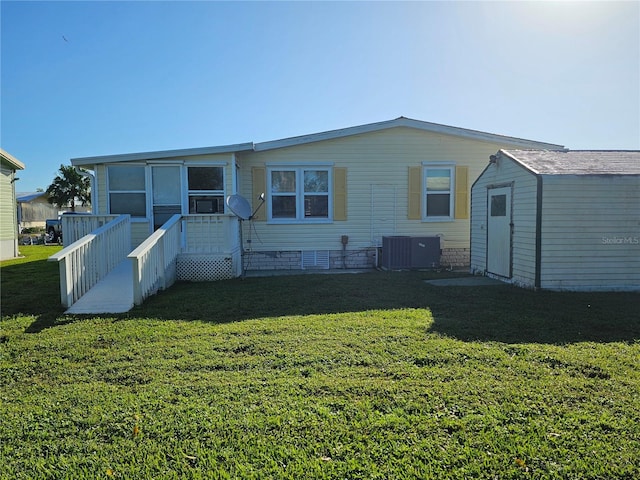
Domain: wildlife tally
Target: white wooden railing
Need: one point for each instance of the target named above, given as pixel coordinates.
(74, 227)
(88, 260)
(211, 234)
(154, 260)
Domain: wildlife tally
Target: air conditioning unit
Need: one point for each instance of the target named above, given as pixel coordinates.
(425, 252)
(403, 252)
(396, 253)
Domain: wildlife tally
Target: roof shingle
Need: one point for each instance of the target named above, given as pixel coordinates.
(578, 162)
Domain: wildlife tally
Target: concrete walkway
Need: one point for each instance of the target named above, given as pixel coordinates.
(112, 294)
(471, 281)
(310, 271)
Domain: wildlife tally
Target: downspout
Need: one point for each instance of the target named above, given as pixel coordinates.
(234, 174)
(92, 179)
(234, 191)
(537, 281)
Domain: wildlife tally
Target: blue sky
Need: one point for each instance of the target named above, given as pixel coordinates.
(98, 78)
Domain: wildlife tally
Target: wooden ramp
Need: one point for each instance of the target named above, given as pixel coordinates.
(112, 294)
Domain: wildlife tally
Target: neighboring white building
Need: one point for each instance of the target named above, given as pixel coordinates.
(9, 165)
(558, 220)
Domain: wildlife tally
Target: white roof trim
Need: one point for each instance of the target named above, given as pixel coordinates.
(186, 152)
(11, 160)
(317, 137)
(410, 123)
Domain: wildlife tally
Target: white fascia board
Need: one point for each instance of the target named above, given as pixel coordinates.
(481, 136)
(409, 123)
(11, 160)
(187, 152)
(318, 137)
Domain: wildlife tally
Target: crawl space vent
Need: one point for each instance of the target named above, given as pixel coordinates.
(315, 259)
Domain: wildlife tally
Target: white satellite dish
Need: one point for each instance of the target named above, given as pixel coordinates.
(239, 206)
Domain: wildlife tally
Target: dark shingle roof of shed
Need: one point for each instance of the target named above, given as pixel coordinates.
(578, 162)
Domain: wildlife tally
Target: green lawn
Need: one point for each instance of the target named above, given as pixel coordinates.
(369, 376)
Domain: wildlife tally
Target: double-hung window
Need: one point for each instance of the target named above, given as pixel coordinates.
(126, 190)
(300, 193)
(206, 189)
(438, 195)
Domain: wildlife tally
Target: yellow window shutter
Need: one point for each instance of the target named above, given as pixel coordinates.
(462, 193)
(259, 186)
(340, 193)
(415, 193)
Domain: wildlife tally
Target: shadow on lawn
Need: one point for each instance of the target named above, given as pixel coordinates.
(489, 313)
(514, 315)
(48, 320)
(33, 289)
(485, 313)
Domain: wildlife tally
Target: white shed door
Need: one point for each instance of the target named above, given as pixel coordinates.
(499, 231)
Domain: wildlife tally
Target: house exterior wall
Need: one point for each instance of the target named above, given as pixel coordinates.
(142, 227)
(377, 166)
(377, 176)
(590, 232)
(523, 200)
(8, 217)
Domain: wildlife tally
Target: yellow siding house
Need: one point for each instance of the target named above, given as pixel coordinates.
(330, 198)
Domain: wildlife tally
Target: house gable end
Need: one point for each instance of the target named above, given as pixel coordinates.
(407, 123)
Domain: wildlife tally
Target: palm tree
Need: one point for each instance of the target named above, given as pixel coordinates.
(68, 187)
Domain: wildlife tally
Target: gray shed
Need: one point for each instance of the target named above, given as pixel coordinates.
(558, 220)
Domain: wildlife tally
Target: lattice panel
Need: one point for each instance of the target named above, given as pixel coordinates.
(204, 268)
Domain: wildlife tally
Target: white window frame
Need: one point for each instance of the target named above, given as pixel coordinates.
(299, 193)
(204, 193)
(144, 191)
(184, 182)
(426, 166)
